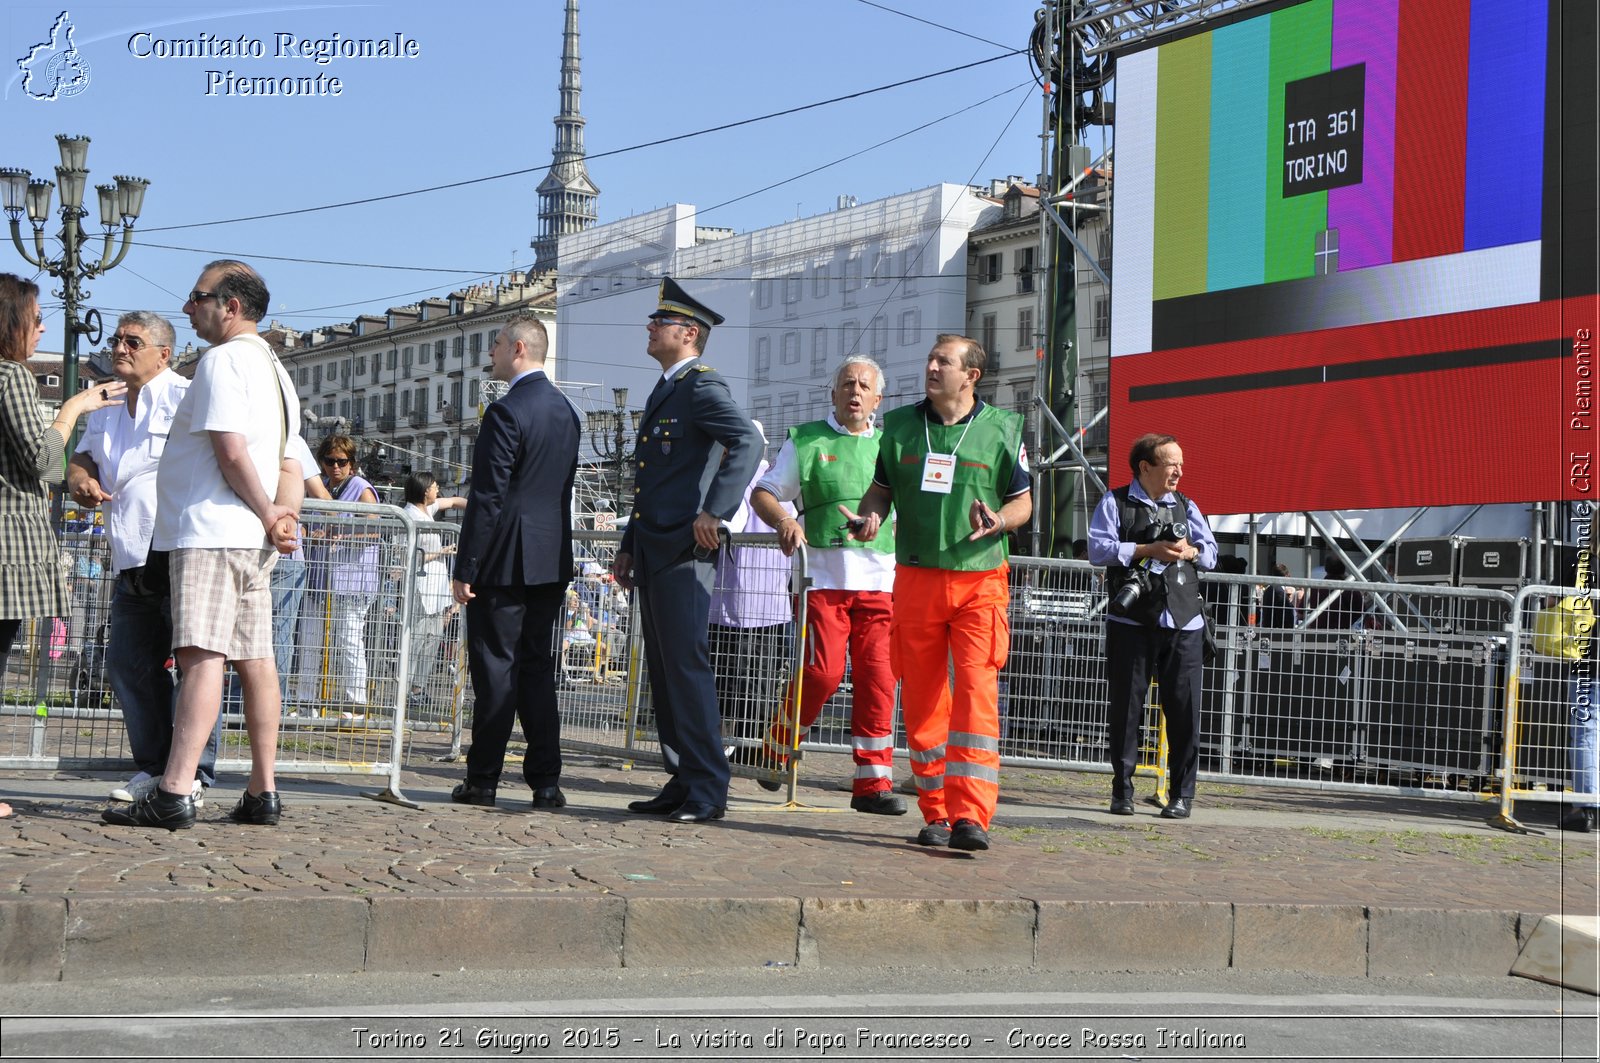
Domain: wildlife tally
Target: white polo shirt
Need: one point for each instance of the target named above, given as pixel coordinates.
(126, 449)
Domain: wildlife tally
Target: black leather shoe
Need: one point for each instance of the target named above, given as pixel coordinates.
(467, 794)
(697, 812)
(967, 836)
(549, 797)
(1178, 809)
(882, 803)
(156, 809)
(659, 805)
(1579, 820)
(261, 810)
(1122, 806)
(935, 833)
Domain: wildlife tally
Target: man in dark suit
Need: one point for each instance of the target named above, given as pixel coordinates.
(513, 564)
(696, 452)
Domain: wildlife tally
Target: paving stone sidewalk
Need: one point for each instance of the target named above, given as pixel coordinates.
(1055, 847)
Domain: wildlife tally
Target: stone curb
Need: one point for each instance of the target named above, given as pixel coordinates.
(89, 937)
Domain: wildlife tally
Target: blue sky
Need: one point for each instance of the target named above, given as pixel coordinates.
(477, 101)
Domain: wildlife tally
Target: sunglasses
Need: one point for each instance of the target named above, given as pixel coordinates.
(133, 343)
(337, 463)
(197, 295)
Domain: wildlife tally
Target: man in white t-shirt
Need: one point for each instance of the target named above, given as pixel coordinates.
(226, 500)
(115, 469)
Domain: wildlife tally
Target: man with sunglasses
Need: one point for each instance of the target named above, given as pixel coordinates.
(226, 503)
(685, 486)
(115, 468)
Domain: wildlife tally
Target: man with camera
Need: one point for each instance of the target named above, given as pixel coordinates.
(1151, 540)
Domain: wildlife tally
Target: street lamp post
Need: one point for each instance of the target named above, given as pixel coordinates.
(120, 204)
(609, 432)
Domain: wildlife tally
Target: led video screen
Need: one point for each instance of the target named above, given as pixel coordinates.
(1355, 253)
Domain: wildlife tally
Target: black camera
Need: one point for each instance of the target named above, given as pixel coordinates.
(1140, 579)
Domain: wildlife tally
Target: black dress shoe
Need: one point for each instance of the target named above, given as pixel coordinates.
(697, 812)
(261, 810)
(882, 803)
(1122, 806)
(659, 805)
(1579, 820)
(1178, 809)
(156, 809)
(549, 797)
(467, 794)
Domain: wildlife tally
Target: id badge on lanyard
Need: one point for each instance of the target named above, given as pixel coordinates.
(938, 473)
(939, 470)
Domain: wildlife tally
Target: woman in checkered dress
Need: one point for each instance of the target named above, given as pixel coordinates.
(32, 576)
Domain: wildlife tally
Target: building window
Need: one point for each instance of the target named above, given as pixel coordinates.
(361, 366)
(764, 293)
(1025, 327)
(438, 352)
(910, 327)
(475, 347)
(852, 280)
(793, 288)
(406, 357)
(910, 262)
(1100, 397)
(988, 268)
(316, 376)
(374, 404)
(1105, 252)
(819, 282)
(405, 403)
(763, 359)
(849, 338)
(1102, 318)
(880, 269)
(474, 392)
(457, 344)
(791, 348)
(819, 351)
(880, 335)
(908, 389)
(344, 408)
(990, 334)
(393, 354)
(51, 380)
(305, 377)
(1024, 260)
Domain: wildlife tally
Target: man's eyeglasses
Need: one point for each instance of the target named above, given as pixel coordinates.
(337, 463)
(197, 295)
(664, 322)
(133, 343)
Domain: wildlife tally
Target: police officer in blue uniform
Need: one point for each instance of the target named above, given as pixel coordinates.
(695, 453)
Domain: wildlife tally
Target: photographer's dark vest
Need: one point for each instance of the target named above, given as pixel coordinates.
(1178, 589)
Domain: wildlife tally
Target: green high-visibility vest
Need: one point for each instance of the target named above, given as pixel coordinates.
(835, 467)
(934, 527)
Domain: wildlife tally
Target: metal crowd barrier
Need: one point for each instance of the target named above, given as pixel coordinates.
(1379, 688)
(342, 632)
(1550, 720)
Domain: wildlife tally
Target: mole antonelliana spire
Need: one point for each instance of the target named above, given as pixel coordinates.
(566, 195)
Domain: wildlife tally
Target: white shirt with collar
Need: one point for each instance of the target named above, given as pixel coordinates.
(126, 450)
(833, 568)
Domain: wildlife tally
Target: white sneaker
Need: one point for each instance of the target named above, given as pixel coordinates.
(136, 788)
(199, 794)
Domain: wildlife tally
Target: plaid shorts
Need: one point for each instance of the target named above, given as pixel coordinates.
(222, 601)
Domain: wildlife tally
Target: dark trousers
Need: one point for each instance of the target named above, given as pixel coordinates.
(674, 606)
(1135, 653)
(511, 653)
(136, 668)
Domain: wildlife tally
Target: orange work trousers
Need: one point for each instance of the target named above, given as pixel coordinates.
(948, 621)
(837, 620)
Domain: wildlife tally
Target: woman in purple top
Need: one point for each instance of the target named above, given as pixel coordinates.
(341, 564)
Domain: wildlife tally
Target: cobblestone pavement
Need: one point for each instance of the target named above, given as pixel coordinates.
(1052, 840)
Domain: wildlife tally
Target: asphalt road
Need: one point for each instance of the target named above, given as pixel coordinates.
(787, 1014)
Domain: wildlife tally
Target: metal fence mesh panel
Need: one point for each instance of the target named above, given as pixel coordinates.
(1552, 717)
(1378, 686)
